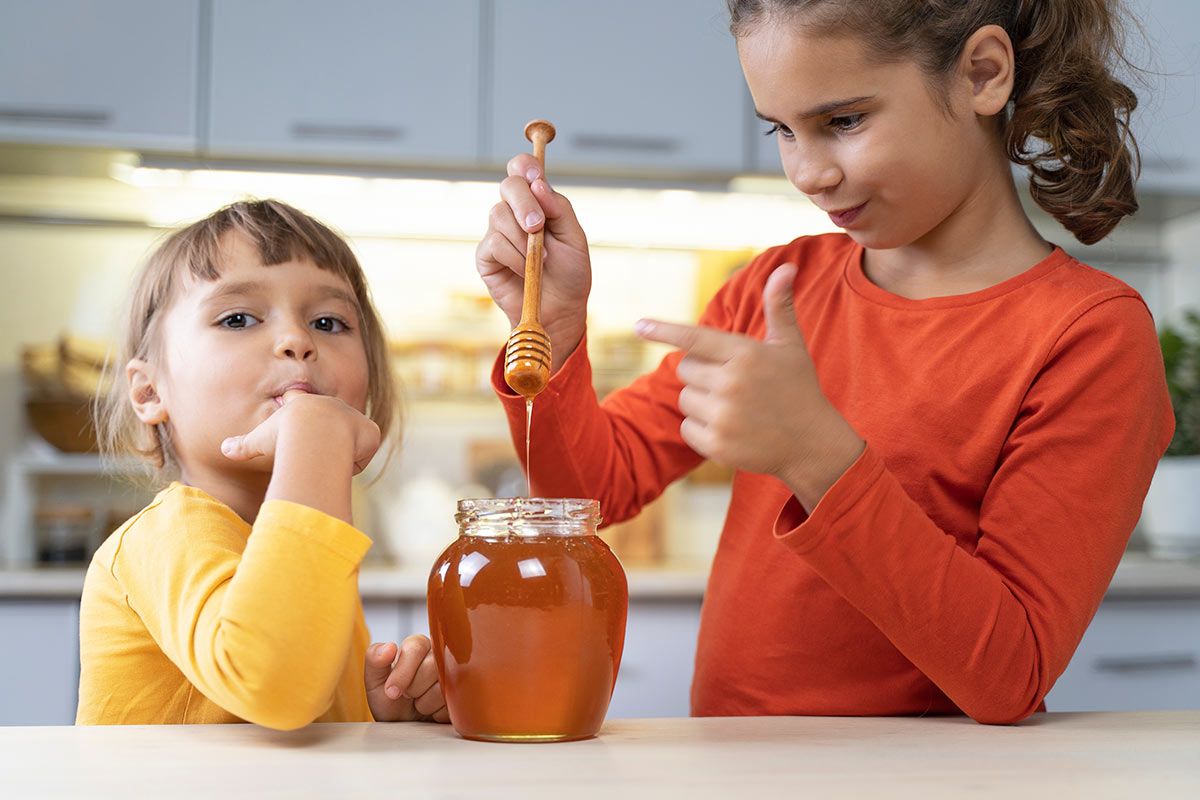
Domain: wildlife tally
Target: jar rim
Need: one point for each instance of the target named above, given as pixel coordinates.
(528, 512)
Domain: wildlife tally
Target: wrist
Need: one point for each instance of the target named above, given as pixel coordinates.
(810, 478)
(564, 340)
(314, 463)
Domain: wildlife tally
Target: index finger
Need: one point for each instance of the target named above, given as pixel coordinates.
(706, 343)
(412, 653)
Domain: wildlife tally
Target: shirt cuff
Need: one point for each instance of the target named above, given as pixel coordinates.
(298, 520)
(803, 532)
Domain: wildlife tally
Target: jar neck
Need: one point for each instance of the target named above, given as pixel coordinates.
(523, 516)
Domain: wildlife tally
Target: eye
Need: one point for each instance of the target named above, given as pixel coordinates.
(846, 122)
(237, 321)
(776, 128)
(330, 325)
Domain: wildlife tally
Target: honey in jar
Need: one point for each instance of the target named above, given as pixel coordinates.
(527, 614)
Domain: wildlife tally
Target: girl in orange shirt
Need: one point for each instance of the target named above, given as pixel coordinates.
(942, 425)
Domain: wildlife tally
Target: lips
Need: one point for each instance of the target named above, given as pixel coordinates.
(293, 386)
(845, 216)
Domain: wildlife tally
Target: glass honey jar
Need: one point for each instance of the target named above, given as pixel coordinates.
(527, 614)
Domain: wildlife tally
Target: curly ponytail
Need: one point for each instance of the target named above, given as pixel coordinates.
(1069, 116)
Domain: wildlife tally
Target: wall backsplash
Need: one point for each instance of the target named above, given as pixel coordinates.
(73, 276)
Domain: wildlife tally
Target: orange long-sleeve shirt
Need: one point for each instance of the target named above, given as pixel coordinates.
(1011, 436)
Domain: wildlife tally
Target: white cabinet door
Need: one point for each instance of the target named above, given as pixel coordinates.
(118, 73)
(369, 80)
(631, 86)
(1168, 114)
(386, 619)
(39, 673)
(660, 653)
(1137, 655)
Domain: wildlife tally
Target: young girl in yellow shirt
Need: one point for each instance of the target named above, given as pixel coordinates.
(255, 372)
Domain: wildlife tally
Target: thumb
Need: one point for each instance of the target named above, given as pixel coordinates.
(779, 305)
(241, 448)
(560, 215)
(377, 665)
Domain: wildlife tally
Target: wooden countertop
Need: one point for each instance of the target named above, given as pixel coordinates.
(1139, 576)
(1096, 755)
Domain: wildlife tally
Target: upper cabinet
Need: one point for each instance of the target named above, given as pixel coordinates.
(358, 80)
(1168, 87)
(632, 86)
(110, 73)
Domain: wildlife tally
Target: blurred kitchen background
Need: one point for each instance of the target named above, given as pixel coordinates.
(392, 121)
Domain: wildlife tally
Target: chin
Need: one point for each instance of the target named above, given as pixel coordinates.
(874, 239)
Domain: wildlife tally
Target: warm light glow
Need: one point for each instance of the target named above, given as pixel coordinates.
(755, 213)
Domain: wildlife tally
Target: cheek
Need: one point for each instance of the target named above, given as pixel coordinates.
(355, 380)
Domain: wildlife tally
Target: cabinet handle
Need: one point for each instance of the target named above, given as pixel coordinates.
(641, 144)
(362, 133)
(68, 117)
(1152, 663)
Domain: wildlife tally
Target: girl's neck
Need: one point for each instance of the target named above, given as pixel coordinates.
(987, 239)
(243, 492)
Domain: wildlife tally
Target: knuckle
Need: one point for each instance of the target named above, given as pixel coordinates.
(498, 214)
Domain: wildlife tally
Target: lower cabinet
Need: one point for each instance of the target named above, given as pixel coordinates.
(39, 671)
(656, 667)
(1137, 655)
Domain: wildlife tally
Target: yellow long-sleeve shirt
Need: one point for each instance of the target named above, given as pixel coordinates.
(189, 614)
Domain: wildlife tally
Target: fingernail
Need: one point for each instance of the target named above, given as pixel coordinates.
(643, 326)
(533, 218)
(393, 692)
(543, 187)
(228, 446)
(532, 174)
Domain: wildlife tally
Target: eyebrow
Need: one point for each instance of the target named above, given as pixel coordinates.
(250, 287)
(824, 109)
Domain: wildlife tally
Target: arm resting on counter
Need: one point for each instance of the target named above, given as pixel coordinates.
(263, 632)
(994, 620)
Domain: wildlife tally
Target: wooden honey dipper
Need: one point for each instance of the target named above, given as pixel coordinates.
(527, 358)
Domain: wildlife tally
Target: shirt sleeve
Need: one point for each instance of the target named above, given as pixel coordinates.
(624, 451)
(262, 631)
(995, 626)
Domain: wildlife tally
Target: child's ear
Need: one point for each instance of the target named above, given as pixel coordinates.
(143, 395)
(989, 65)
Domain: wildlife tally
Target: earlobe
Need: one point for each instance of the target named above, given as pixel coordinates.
(988, 64)
(143, 395)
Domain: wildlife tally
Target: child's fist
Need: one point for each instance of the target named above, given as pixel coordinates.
(402, 682)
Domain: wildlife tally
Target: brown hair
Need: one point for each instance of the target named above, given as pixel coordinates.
(280, 233)
(1069, 117)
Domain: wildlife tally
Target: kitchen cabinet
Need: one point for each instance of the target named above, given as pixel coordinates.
(1168, 88)
(660, 652)
(112, 73)
(39, 673)
(1137, 655)
(362, 80)
(631, 86)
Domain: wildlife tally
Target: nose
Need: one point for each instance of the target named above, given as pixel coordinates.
(812, 171)
(295, 342)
